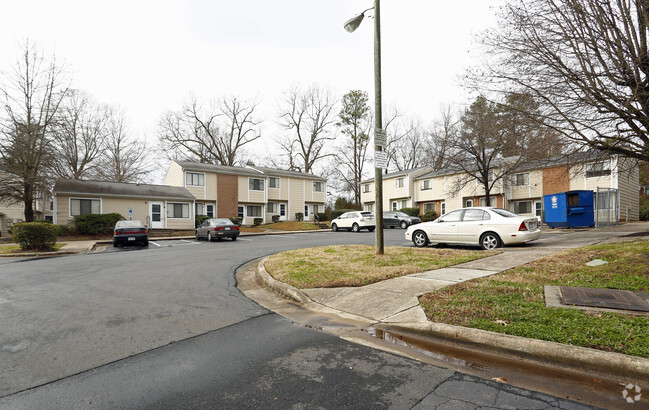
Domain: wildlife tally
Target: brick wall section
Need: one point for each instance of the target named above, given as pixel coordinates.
(227, 187)
(556, 179)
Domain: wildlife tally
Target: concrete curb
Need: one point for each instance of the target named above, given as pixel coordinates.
(283, 289)
(539, 352)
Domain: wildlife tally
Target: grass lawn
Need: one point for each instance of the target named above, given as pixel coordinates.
(15, 249)
(512, 302)
(291, 226)
(358, 265)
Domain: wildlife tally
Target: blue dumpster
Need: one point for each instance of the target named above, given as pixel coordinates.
(569, 209)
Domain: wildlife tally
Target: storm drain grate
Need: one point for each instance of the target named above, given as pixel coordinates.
(603, 298)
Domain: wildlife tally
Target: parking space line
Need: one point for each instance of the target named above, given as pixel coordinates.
(156, 244)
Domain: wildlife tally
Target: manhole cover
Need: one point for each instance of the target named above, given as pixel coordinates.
(603, 298)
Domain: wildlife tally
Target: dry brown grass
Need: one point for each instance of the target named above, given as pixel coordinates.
(358, 265)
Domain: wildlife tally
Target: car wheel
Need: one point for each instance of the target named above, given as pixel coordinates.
(114, 244)
(420, 239)
(489, 241)
(145, 243)
(234, 238)
(355, 228)
(209, 236)
(334, 227)
(404, 224)
(370, 229)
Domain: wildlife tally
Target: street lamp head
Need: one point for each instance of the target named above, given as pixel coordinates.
(352, 24)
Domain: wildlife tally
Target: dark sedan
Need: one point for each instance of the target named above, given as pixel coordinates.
(130, 233)
(217, 228)
(399, 219)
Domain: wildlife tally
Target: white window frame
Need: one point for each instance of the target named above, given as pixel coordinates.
(516, 204)
(493, 201)
(83, 199)
(184, 205)
(443, 208)
(272, 208)
(366, 188)
(318, 186)
(429, 206)
(273, 182)
(400, 182)
(425, 185)
(605, 170)
(194, 178)
(202, 208)
(208, 211)
(251, 184)
(394, 206)
(526, 179)
(241, 211)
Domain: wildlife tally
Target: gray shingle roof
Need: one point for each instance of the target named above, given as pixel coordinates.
(250, 171)
(71, 186)
(282, 172)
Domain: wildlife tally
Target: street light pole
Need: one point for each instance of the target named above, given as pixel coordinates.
(351, 25)
(378, 124)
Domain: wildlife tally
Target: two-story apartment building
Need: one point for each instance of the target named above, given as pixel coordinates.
(249, 192)
(398, 189)
(522, 191)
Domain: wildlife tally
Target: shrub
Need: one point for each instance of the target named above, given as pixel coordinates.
(63, 230)
(258, 221)
(410, 211)
(95, 224)
(644, 213)
(236, 220)
(429, 216)
(337, 212)
(199, 219)
(299, 216)
(38, 236)
(322, 216)
(275, 218)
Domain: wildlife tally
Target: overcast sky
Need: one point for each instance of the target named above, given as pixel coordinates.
(148, 56)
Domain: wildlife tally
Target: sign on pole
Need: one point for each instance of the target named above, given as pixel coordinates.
(380, 159)
(380, 137)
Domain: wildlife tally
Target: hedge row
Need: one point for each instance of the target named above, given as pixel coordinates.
(38, 236)
(95, 224)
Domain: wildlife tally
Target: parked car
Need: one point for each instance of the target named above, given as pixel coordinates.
(217, 228)
(486, 227)
(354, 221)
(395, 219)
(131, 233)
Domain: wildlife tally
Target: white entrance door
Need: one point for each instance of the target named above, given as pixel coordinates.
(155, 215)
(282, 212)
(307, 216)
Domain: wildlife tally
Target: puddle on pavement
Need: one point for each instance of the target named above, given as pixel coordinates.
(555, 381)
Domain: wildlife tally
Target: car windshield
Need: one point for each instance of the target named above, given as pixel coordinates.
(221, 221)
(129, 224)
(503, 212)
(401, 214)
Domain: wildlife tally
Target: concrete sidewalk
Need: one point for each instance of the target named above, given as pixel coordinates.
(393, 306)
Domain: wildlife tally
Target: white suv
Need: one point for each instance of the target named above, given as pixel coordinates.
(354, 221)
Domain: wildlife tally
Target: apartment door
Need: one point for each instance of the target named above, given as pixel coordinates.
(155, 215)
(307, 214)
(282, 211)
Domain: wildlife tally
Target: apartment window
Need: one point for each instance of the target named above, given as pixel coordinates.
(178, 210)
(523, 207)
(430, 206)
(254, 211)
(194, 179)
(492, 201)
(404, 203)
(210, 210)
(443, 208)
(80, 206)
(255, 184)
(272, 207)
(366, 188)
(273, 182)
(425, 185)
(368, 207)
(598, 169)
(318, 187)
(199, 209)
(537, 208)
(399, 182)
(521, 179)
(316, 209)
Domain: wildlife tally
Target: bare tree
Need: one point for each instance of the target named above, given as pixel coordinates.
(444, 131)
(216, 135)
(355, 124)
(586, 64)
(78, 136)
(309, 114)
(479, 148)
(406, 142)
(32, 94)
(124, 158)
